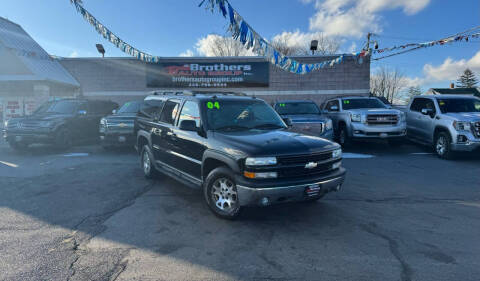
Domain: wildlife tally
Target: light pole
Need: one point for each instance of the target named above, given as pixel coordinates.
(101, 49)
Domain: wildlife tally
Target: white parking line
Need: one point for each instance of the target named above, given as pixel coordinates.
(357, 156)
(76, 155)
(9, 164)
(421, 153)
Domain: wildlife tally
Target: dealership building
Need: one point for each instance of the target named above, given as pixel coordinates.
(30, 76)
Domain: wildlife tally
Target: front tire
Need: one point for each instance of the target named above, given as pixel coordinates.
(148, 167)
(443, 146)
(63, 139)
(220, 191)
(343, 138)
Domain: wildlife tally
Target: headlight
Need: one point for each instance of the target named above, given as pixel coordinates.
(337, 153)
(356, 117)
(403, 117)
(328, 125)
(5, 124)
(103, 122)
(461, 126)
(264, 161)
(267, 175)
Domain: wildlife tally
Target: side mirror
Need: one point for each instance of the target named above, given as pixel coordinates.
(114, 111)
(334, 108)
(82, 112)
(188, 125)
(288, 121)
(427, 111)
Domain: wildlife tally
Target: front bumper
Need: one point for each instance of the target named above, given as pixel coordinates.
(467, 146)
(289, 192)
(43, 136)
(117, 139)
(362, 130)
(464, 141)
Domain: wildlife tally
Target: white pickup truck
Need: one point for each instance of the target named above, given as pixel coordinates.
(448, 122)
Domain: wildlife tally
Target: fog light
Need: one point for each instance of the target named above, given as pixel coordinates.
(264, 201)
(462, 138)
(338, 187)
(337, 165)
(102, 137)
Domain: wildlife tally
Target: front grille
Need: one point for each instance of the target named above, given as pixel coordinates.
(295, 166)
(313, 129)
(476, 129)
(304, 159)
(382, 119)
(301, 171)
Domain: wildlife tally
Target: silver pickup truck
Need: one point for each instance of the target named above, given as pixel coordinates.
(364, 118)
(305, 118)
(448, 122)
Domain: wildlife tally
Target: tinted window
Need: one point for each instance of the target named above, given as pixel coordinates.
(459, 105)
(130, 107)
(152, 108)
(169, 112)
(348, 104)
(190, 112)
(229, 115)
(418, 104)
(291, 108)
(332, 103)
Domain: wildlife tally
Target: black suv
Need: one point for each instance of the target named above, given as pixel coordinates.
(236, 148)
(61, 122)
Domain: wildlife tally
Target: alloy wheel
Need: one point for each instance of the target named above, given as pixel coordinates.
(224, 195)
(146, 163)
(441, 145)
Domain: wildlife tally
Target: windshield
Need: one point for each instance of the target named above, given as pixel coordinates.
(362, 103)
(230, 115)
(459, 105)
(62, 107)
(130, 107)
(297, 108)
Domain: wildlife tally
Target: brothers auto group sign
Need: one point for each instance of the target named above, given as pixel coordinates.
(208, 75)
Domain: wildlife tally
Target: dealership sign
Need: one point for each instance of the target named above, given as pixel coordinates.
(208, 75)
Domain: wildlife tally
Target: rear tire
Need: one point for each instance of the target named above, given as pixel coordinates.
(148, 167)
(220, 192)
(442, 146)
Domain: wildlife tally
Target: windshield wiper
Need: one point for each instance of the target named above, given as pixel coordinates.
(268, 126)
(232, 128)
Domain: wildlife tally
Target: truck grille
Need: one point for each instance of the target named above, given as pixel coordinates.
(382, 119)
(311, 129)
(476, 129)
(294, 166)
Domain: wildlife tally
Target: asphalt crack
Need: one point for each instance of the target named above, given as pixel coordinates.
(93, 225)
(406, 270)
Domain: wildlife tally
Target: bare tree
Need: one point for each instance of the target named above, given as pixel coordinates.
(388, 83)
(215, 45)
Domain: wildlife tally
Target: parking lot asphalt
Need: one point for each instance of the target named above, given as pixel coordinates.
(89, 214)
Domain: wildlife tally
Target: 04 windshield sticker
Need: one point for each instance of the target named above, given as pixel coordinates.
(213, 105)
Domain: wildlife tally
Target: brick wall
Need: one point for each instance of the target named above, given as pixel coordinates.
(122, 79)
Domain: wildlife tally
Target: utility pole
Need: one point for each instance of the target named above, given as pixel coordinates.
(368, 41)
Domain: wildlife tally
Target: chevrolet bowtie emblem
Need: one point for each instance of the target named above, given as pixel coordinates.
(311, 165)
(122, 125)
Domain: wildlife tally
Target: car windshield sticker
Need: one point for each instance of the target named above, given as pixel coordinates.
(442, 103)
(346, 101)
(212, 105)
(282, 105)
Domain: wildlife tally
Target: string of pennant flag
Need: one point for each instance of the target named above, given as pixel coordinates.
(241, 31)
(245, 34)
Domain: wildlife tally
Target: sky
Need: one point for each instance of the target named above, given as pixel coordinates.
(179, 27)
